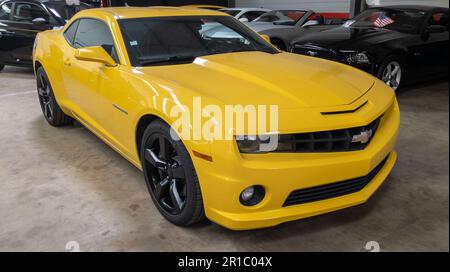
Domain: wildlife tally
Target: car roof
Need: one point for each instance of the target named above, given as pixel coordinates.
(415, 7)
(147, 12)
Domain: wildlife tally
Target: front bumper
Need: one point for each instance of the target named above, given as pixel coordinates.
(223, 180)
(267, 218)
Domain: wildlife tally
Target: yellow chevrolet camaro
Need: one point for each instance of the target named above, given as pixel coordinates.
(122, 72)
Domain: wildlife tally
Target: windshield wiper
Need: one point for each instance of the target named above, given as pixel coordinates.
(168, 60)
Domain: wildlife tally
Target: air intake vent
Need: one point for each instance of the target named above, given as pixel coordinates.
(332, 190)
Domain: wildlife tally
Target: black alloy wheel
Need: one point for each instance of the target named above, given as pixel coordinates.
(50, 108)
(170, 176)
(44, 97)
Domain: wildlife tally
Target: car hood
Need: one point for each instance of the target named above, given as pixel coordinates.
(263, 26)
(257, 78)
(341, 37)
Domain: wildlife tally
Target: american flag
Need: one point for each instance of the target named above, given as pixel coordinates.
(383, 21)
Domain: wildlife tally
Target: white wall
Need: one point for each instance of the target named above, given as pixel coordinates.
(327, 5)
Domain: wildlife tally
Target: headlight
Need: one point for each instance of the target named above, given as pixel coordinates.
(257, 144)
(353, 57)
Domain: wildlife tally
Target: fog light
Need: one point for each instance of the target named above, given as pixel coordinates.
(252, 195)
(247, 194)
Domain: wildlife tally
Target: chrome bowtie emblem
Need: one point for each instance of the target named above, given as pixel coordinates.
(364, 137)
(312, 53)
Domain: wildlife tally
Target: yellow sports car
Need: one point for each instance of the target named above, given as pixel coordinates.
(152, 82)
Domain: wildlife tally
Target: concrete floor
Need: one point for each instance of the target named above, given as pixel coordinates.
(61, 185)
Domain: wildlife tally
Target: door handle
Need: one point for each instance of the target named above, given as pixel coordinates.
(67, 62)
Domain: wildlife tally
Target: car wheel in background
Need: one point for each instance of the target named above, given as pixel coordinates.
(391, 72)
(170, 176)
(1, 67)
(50, 108)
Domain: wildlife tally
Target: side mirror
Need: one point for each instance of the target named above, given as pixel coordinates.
(95, 54)
(435, 29)
(39, 21)
(266, 38)
(243, 20)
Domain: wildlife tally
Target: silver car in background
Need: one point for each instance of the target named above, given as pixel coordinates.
(246, 15)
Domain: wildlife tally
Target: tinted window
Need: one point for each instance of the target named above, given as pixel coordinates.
(5, 11)
(92, 32)
(25, 12)
(155, 41)
(70, 32)
(407, 21)
(439, 18)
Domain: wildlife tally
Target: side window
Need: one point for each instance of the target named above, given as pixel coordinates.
(5, 11)
(91, 32)
(25, 12)
(69, 34)
(252, 15)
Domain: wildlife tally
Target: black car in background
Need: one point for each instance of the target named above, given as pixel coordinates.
(21, 20)
(282, 26)
(398, 44)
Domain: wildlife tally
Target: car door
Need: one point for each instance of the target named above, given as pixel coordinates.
(6, 35)
(24, 28)
(89, 84)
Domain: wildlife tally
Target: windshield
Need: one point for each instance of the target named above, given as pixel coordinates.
(172, 40)
(63, 11)
(406, 21)
(284, 17)
(232, 12)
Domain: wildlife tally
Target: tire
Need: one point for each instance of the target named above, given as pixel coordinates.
(393, 81)
(2, 67)
(50, 108)
(162, 183)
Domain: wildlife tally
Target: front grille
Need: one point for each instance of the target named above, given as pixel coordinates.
(341, 140)
(332, 190)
